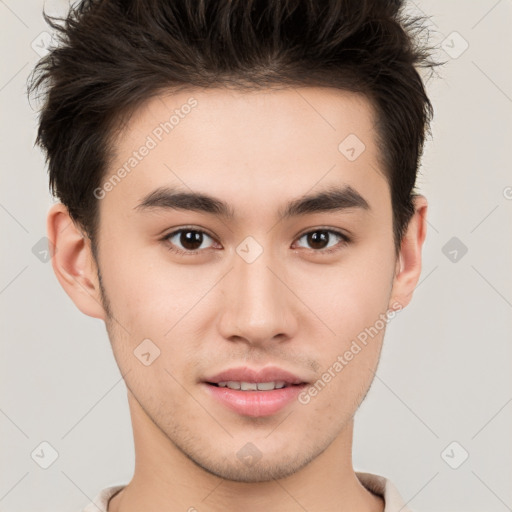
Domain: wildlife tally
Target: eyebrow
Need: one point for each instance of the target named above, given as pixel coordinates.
(332, 199)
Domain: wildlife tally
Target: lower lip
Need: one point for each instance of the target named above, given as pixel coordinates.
(255, 403)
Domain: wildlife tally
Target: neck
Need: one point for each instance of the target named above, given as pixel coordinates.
(166, 479)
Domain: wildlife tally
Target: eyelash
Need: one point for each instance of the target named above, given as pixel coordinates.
(345, 240)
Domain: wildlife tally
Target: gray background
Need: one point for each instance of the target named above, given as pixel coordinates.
(445, 373)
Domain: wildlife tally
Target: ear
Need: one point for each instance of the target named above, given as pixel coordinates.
(73, 262)
(408, 267)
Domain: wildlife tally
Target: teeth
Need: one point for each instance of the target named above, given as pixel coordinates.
(252, 386)
(266, 386)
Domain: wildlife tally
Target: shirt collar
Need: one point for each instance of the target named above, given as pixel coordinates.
(374, 483)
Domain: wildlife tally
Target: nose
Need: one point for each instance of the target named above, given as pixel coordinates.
(258, 305)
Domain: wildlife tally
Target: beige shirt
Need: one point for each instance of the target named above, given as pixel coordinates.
(374, 483)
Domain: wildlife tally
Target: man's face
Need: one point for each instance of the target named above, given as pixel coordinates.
(260, 290)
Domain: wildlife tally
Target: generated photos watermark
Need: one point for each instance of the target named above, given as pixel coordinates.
(344, 359)
(152, 140)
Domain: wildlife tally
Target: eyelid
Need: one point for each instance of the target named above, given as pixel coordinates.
(188, 228)
(336, 231)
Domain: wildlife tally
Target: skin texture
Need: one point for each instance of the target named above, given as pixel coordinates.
(294, 306)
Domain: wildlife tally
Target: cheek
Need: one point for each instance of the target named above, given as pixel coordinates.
(353, 295)
(352, 300)
(147, 295)
(349, 358)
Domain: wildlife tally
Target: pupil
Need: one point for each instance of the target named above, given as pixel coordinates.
(318, 239)
(190, 238)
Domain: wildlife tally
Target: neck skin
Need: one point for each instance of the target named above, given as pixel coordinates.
(165, 479)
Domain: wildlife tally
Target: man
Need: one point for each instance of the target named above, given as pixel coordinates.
(236, 184)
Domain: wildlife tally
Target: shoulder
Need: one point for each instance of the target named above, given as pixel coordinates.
(385, 489)
(100, 502)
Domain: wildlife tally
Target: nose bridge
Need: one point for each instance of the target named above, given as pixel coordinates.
(258, 306)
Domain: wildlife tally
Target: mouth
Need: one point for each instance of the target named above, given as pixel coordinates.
(254, 392)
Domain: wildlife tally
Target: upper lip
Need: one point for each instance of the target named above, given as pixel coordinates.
(246, 374)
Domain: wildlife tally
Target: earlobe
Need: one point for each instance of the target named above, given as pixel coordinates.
(73, 262)
(408, 267)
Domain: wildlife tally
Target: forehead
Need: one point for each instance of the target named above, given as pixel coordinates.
(254, 147)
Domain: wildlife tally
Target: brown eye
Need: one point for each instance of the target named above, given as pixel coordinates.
(187, 240)
(318, 239)
(323, 240)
